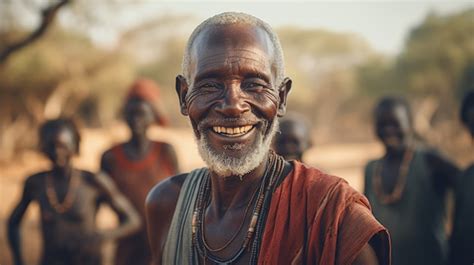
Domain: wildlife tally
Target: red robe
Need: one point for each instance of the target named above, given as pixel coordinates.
(135, 179)
(315, 218)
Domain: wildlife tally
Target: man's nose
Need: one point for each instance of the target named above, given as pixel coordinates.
(233, 103)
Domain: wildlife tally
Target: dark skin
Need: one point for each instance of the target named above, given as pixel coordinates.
(395, 131)
(233, 84)
(293, 140)
(65, 233)
(139, 116)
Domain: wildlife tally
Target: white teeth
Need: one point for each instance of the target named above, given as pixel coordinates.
(232, 131)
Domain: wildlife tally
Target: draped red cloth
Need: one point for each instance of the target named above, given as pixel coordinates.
(315, 218)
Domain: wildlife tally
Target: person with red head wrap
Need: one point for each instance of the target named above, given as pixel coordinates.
(148, 91)
(138, 164)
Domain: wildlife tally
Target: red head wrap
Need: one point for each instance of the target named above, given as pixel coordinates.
(147, 90)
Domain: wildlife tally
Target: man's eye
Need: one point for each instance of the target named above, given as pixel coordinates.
(209, 86)
(253, 85)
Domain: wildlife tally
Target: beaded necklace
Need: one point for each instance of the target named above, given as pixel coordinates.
(272, 172)
(208, 247)
(396, 194)
(51, 194)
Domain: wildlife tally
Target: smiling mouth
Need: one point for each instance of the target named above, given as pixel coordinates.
(232, 131)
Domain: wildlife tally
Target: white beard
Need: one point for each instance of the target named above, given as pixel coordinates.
(226, 166)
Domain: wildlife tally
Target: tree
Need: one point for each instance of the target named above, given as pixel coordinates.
(48, 14)
(436, 55)
(433, 70)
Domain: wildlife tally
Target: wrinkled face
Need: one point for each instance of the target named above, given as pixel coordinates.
(139, 116)
(393, 127)
(292, 141)
(232, 99)
(60, 146)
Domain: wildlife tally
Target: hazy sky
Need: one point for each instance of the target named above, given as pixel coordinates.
(384, 24)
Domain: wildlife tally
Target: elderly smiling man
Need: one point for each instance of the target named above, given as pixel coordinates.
(250, 206)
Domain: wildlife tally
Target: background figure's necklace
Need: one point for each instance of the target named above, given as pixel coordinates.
(273, 171)
(397, 192)
(51, 194)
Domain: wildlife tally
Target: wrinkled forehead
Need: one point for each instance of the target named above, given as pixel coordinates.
(225, 43)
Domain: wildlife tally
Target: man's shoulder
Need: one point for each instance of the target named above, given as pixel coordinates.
(166, 192)
(371, 162)
(36, 180)
(109, 154)
(38, 176)
(162, 145)
(313, 179)
(96, 180)
(469, 171)
(321, 188)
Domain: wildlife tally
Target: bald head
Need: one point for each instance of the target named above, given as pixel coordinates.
(233, 31)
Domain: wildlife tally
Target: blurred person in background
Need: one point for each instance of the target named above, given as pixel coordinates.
(138, 164)
(69, 199)
(407, 187)
(293, 137)
(462, 238)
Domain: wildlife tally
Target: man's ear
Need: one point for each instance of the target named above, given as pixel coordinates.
(283, 92)
(182, 90)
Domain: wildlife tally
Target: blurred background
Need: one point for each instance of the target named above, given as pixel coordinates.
(78, 58)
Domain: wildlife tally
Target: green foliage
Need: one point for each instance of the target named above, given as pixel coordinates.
(437, 52)
(67, 64)
(321, 63)
(435, 57)
(164, 71)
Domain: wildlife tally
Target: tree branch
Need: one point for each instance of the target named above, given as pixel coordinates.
(48, 15)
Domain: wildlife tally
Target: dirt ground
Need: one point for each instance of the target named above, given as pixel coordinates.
(345, 160)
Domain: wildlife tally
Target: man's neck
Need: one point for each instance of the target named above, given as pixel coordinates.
(234, 192)
(63, 171)
(395, 154)
(139, 144)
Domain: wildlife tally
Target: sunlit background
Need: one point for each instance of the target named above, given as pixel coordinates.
(342, 56)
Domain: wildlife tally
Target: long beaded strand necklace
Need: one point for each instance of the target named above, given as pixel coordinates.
(396, 194)
(272, 172)
(278, 174)
(208, 247)
(51, 194)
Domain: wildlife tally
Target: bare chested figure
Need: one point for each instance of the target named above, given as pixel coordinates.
(462, 237)
(138, 164)
(69, 199)
(294, 137)
(407, 187)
